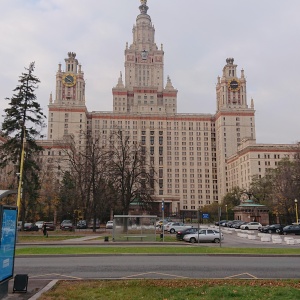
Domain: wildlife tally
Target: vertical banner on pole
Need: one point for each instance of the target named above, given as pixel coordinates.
(220, 233)
(163, 218)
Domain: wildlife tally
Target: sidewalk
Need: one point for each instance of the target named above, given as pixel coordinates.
(82, 239)
(34, 289)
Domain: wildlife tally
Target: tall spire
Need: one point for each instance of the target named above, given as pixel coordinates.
(143, 7)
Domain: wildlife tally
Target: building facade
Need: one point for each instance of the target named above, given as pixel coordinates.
(189, 151)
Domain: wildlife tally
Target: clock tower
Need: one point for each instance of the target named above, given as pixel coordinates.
(235, 121)
(67, 113)
(144, 90)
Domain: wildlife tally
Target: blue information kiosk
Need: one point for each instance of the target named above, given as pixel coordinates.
(8, 233)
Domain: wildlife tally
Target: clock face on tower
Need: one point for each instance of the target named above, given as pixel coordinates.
(234, 85)
(69, 80)
(144, 54)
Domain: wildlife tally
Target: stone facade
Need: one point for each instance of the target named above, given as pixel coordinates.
(190, 151)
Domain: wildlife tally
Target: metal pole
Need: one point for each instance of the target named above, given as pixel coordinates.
(220, 234)
(21, 171)
(296, 207)
(198, 224)
(163, 218)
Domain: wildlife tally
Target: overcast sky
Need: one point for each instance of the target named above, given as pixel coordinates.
(198, 35)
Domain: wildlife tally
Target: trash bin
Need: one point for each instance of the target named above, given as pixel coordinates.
(161, 235)
(106, 239)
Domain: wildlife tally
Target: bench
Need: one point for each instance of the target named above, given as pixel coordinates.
(135, 237)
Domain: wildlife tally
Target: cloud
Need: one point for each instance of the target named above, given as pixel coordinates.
(197, 36)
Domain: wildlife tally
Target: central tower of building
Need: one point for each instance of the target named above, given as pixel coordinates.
(144, 90)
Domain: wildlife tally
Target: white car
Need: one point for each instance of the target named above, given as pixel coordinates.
(173, 227)
(161, 222)
(205, 235)
(251, 225)
(39, 224)
(109, 225)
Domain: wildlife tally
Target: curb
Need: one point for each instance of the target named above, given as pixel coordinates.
(45, 289)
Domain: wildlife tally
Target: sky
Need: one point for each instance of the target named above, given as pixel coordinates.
(197, 35)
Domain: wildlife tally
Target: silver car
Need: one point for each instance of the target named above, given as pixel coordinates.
(205, 235)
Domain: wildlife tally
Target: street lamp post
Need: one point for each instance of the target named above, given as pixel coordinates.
(226, 208)
(296, 208)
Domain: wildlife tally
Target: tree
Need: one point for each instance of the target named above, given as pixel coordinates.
(24, 119)
(285, 189)
(96, 161)
(262, 189)
(68, 194)
(133, 177)
(279, 188)
(92, 180)
(232, 198)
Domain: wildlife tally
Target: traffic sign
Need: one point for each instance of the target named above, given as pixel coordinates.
(205, 216)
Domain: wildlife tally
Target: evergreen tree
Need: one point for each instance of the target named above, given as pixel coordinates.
(24, 119)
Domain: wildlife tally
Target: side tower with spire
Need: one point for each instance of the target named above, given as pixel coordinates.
(235, 120)
(144, 91)
(67, 111)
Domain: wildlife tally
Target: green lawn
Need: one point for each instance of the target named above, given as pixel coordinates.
(175, 290)
(184, 249)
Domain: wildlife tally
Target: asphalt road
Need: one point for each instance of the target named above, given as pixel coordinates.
(157, 266)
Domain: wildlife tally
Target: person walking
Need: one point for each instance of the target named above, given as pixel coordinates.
(45, 230)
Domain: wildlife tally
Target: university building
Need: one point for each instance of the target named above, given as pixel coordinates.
(198, 158)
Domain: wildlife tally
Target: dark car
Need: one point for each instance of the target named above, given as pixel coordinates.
(238, 225)
(231, 223)
(181, 233)
(274, 228)
(221, 222)
(291, 229)
(66, 225)
(30, 227)
(91, 224)
(50, 226)
(81, 224)
(263, 228)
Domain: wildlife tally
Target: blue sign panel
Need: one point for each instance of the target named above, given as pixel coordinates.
(8, 229)
(205, 216)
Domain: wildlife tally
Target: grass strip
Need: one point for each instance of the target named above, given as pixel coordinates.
(73, 250)
(175, 290)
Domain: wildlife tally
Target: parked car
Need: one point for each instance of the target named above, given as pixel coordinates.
(263, 228)
(274, 228)
(205, 235)
(173, 227)
(39, 224)
(109, 225)
(291, 229)
(30, 227)
(19, 226)
(91, 224)
(221, 222)
(180, 234)
(160, 222)
(237, 225)
(66, 225)
(231, 223)
(251, 225)
(81, 224)
(50, 226)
